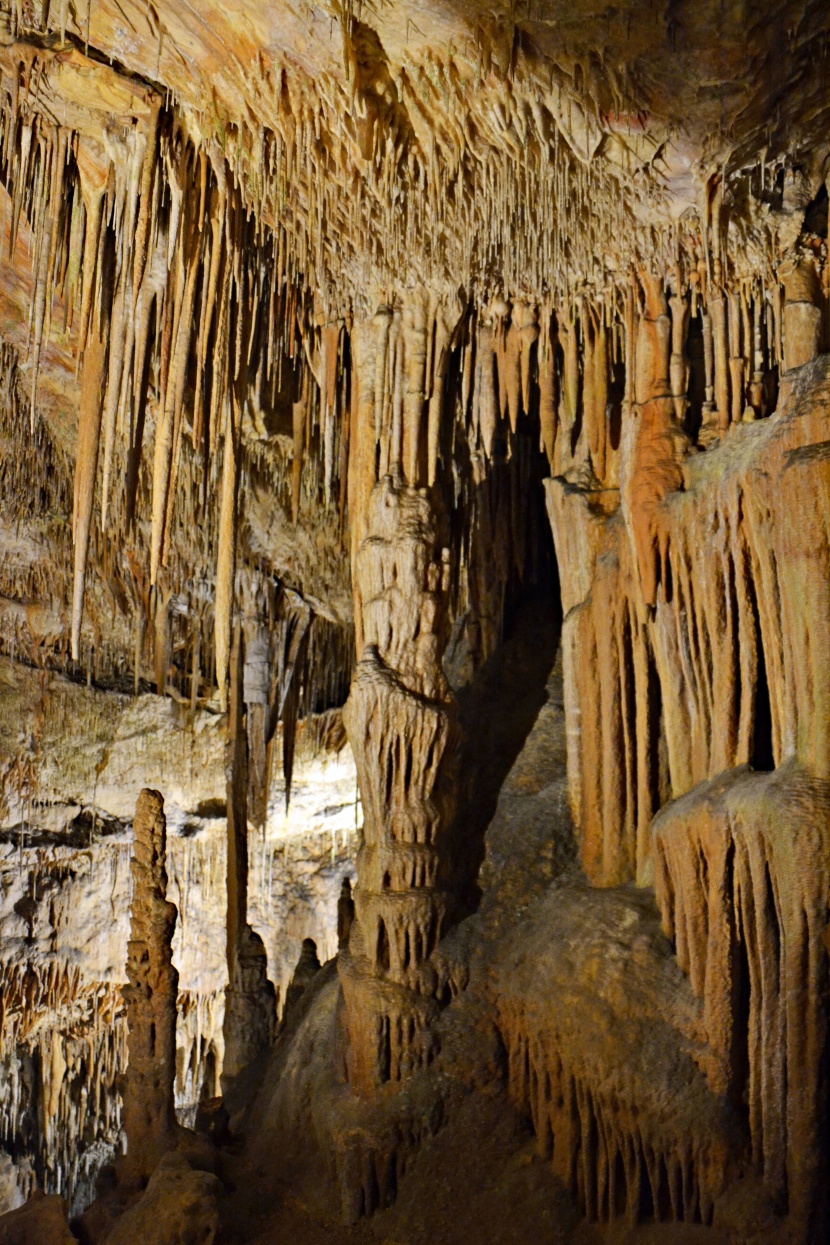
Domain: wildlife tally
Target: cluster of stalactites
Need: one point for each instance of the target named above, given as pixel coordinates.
(189, 314)
(62, 1051)
(614, 1157)
(181, 310)
(187, 326)
(741, 881)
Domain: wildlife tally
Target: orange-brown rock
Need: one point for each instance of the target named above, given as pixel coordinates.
(40, 1221)
(400, 719)
(730, 665)
(742, 881)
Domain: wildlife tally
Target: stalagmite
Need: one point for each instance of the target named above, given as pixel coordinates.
(400, 719)
(149, 1113)
(345, 915)
(307, 968)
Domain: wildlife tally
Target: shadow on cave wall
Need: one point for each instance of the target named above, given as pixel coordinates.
(498, 709)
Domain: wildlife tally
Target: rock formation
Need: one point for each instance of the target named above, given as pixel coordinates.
(42, 1221)
(742, 885)
(306, 314)
(149, 1114)
(401, 723)
(250, 1001)
(179, 1207)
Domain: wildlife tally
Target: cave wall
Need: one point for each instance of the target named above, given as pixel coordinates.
(698, 678)
(70, 758)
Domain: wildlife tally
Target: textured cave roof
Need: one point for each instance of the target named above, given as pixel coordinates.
(726, 74)
(665, 94)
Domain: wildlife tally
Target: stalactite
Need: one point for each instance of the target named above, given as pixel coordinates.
(678, 365)
(226, 554)
(484, 389)
(250, 1003)
(414, 341)
(741, 876)
(569, 399)
(547, 387)
(89, 430)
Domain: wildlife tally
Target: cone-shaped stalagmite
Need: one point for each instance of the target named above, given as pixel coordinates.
(149, 1107)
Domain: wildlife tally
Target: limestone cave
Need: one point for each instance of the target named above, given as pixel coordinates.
(414, 622)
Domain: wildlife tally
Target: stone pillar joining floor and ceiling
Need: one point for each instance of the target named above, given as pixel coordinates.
(401, 722)
(149, 1114)
(250, 1000)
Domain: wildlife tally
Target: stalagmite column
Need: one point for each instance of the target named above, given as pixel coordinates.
(802, 311)
(401, 723)
(737, 362)
(250, 1004)
(149, 1116)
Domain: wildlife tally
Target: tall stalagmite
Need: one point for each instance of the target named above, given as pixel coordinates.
(149, 1106)
(401, 721)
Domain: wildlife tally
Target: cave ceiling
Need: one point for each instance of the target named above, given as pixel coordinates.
(337, 156)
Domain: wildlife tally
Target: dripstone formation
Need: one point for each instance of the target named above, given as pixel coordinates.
(149, 1115)
(401, 722)
(444, 392)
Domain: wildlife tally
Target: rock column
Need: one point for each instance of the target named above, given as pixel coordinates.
(149, 1116)
(401, 723)
(250, 1003)
(802, 311)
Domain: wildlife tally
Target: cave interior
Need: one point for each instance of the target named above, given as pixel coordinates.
(414, 622)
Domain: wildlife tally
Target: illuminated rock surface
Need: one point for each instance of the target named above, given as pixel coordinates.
(414, 426)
